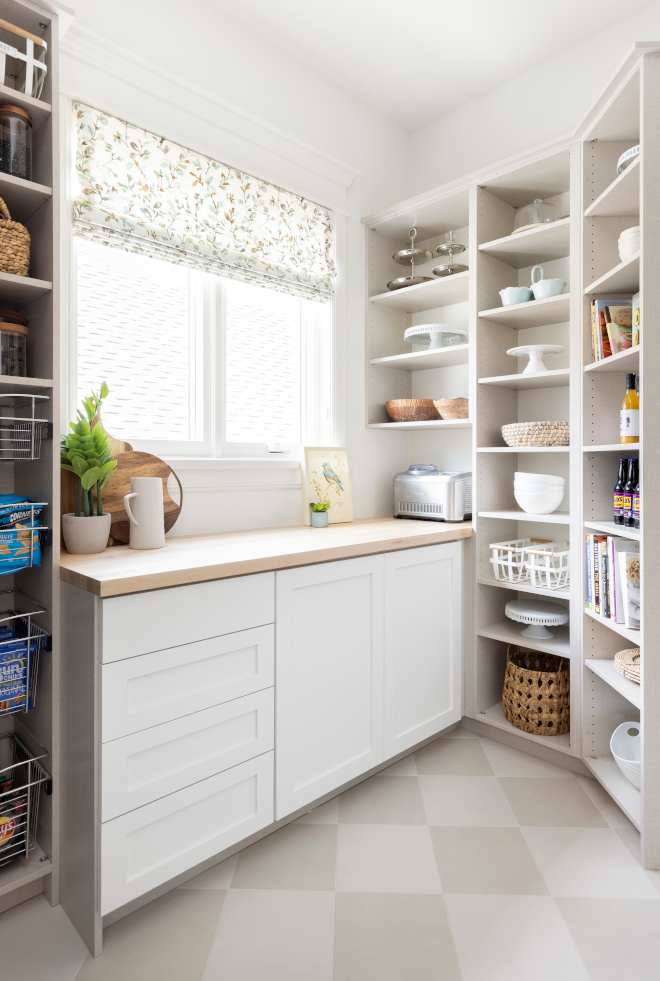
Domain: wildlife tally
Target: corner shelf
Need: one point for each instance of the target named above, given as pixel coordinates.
(510, 632)
(429, 424)
(439, 292)
(620, 790)
(523, 449)
(610, 447)
(542, 244)
(495, 717)
(556, 518)
(623, 361)
(524, 587)
(632, 636)
(624, 278)
(534, 313)
(557, 378)
(621, 198)
(444, 357)
(605, 669)
(609, 528)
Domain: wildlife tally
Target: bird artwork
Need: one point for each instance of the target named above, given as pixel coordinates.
(331, 477)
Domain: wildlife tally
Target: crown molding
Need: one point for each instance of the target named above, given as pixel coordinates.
(89, 48)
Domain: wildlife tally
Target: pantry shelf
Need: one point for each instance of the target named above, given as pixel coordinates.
(632, 636)
(22, 871)
(542, 244)
(441, 292)
(23, 198)
(556, 518)
(621, 790)
(445, 357)
(524, 587)
(534, 313)
(610, 447)
(609, 528)
(429, 424)
(523, 449)
(557, 378)
(37, 109)
(495, 717)
(621, 198)
(624, 278)
(21, 290)
(605, 669)
(10, 381)
(511, 633)
(623, 361)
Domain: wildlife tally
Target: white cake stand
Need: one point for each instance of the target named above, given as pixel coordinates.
(438, 335)
(536, 354)
(537, 614)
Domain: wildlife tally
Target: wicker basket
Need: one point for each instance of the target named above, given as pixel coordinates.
(536, 434)
(14, 244)
(536, 695)
(628, 663)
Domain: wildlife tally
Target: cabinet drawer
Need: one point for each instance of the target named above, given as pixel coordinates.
(148, 765)
(144, 622)
(148, 846)
(155, 688)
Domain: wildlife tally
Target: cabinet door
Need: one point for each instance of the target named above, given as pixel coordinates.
(423, 612)
(329, 677)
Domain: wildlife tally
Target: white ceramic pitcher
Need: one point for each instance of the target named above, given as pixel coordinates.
(147, 517)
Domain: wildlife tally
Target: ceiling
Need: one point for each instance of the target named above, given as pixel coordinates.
(419, 61)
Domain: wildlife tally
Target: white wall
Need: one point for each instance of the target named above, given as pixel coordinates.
(232, 66)
(541, 105)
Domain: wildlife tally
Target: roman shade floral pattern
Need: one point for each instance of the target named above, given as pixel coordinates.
(148, 195)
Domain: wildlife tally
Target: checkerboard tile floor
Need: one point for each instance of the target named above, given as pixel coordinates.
(466, 861)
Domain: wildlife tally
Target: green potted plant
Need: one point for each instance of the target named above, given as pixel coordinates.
(86, 452)
(320, 514)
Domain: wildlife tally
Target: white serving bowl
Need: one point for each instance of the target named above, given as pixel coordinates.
(539, 502)
(528, 489)
(625, 745)
(538, 478)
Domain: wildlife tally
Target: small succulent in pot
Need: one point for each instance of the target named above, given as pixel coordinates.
(320, 514)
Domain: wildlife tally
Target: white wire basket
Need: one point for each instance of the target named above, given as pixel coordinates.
(508, 560)
(21, 432)
(548, 565)
(22, 778)
(21, 643)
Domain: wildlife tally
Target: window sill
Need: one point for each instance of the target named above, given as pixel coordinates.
(232, 463)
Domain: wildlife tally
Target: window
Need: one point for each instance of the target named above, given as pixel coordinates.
(199, 364)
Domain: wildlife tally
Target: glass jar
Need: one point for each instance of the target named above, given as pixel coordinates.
(16, 142)
(13, 344)
(532, 215)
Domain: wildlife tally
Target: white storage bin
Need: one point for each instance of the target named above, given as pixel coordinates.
(548, 565)
(508, 560)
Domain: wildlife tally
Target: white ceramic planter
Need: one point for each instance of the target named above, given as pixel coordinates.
(319, 519)
(85, 536)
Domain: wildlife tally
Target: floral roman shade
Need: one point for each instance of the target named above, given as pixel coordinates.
(148, 195)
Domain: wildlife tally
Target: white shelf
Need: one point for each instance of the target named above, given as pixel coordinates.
(445, 357)
(551, 241)
(627, 360)
(429, 424)
(495, 716)
(624, 278)
(524, 587)
(22, 871)
(523, 449)
(557, 378)
(609, 528)
(21, 290)
(620, 790)
(621, 198)
(556, 518)
(37, 109)
(10, 381)
(439, 292)
(23, 198)
(610, 447)
(632, 636)
(510, 632)
(605, 669)
(534, 313)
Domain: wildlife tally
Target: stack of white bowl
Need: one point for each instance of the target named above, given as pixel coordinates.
(538, 493)
(629, 243)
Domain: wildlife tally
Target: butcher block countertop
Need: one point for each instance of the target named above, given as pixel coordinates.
(200, 558)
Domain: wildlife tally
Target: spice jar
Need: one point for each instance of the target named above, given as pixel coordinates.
(13, 344)
(16, 142)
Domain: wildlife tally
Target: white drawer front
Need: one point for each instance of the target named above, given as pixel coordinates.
(153, 621)
(146, 847)
(148, 765)
(155, 688)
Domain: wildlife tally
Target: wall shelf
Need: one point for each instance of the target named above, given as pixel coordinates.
(632, 636)
(605, 669)
(610, 448)
(445, 357)
(510, 632)
(19, 383)
(495, 717)
(23, 198)
(623, 278)
(440, 292)
(38, 110)
(21, 290)
(429, 424)
(534, 313)
(621, 198)
(524, 587)
(557, 378)
(556, 518)
(551, 241)
(22, 871)
(620, 790)
(609, 528)
(523, 449)
(624, 361)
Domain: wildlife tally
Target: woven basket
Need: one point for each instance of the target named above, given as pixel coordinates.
(14, 244)
(628, 663)
(536, 695)
(536, 434)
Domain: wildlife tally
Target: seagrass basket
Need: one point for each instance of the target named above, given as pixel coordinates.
(628, 664)
(536, 695)
(14, 244)
(536, 434)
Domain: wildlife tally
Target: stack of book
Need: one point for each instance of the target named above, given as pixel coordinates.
(613, 578)
(615, 325)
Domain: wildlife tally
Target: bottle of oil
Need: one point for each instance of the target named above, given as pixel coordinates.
(629, 425)
(618, 491)
(629, 493)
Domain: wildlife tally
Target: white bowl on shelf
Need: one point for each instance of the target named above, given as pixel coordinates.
(626, 746)
(538, 478)
(542, 501)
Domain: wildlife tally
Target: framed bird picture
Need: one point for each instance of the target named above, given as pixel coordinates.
(326, 479)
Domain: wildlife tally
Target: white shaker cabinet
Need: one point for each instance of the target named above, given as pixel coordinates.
(328, 677)
(422, 644)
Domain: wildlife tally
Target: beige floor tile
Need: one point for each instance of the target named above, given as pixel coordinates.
(633, 842)
(466, 802)
(460, 733)
(274, 936)
(383, 800)
(509, 762)
(513, 938)
(327, 813)
(453, 757)
(618, 939)
(218, 877)
(607, 807)
(402, 768)
(538, 802)
(298, 856)
(169, 939)
(393, 938)
(386, 858)
(587, 862)
(38, 942)
(486, 860)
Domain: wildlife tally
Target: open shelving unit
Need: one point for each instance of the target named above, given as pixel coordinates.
(36, 296)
